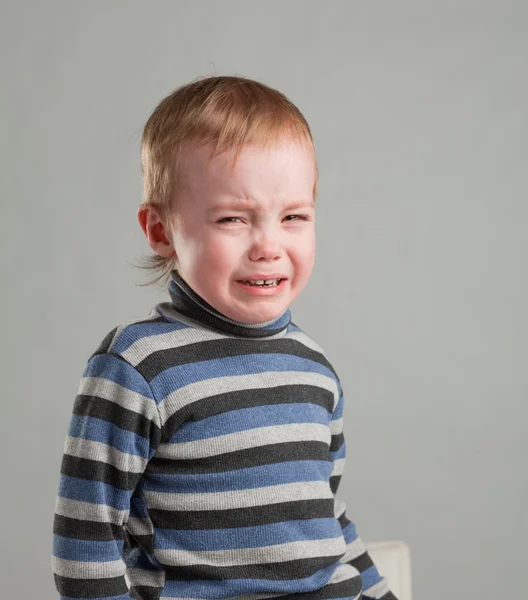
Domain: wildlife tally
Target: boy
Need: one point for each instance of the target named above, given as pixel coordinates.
(206, 442)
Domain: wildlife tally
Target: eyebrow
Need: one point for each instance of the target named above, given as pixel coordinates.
(241, 206)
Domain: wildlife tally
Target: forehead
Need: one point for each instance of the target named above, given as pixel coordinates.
(280, 169)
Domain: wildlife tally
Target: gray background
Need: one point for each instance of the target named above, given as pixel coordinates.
(419, 291)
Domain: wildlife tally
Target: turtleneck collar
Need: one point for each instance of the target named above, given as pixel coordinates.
(186, 301)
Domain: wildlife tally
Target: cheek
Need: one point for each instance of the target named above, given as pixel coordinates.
(305, 251)
(219, 254)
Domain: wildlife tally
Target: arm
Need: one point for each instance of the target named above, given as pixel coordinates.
(114, 431)
(374, 585)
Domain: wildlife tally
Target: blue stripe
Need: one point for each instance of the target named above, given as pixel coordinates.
(174, 378)
(135, 332)
(370, 577)
(117, 370)
(248, 537)
(86, 550)
(205, 588)
(338, 411)
(98, 430)
(95, 492)
(246, 419)
(340, 452)
(349, 532)
(122, 597)
(241, 479)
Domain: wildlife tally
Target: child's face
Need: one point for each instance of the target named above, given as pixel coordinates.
(254, 222)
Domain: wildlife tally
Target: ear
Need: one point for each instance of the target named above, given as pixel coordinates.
(157, 234)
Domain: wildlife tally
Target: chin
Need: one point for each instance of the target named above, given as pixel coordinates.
(262, 317)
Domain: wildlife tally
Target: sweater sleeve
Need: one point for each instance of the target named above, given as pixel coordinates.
(374, 585)
(114, 431)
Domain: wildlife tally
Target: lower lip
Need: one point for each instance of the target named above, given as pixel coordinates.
(262, 291)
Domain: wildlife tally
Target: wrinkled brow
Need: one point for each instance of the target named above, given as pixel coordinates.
(241, 206)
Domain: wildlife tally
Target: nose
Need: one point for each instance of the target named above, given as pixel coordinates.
(265, 246)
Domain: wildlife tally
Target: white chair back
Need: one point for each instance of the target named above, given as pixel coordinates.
(393, 561)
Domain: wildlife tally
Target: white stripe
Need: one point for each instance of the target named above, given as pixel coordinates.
(251, 556)
(137, 577)
(122, 396)
(76, 569)
(336, 426)
(87, 511)
(339, 507)
(83, 448)
(260, 496)
(339, 467)
(354, 549)
(195, 392)
(343, 573)
(140, 526)
(243, 440)
(305, 340)
(120, 328)
(377, 590)
(178, 338)
(145, 346)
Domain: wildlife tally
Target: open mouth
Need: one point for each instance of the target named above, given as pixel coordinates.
(262, 283)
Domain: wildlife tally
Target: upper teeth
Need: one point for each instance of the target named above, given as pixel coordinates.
(263, 281)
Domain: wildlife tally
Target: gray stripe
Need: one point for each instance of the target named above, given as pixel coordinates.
(305, 340)
(112, 391)
(377, 590)
(354, 549)
(179, 338)
(140, 526)
(242, 440)
(263, 496)
(137, 577)
(336, 426)
(339, 467)
(343, 572)
(83, 448)
(257, 555)
(86, 511)
(144, 347)
(152, 315)
(339, 507)
(76, 569)
(221, 385)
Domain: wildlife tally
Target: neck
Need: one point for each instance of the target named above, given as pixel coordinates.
(186, 301)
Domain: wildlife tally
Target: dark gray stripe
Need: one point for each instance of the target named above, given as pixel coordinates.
(106, 343)
(242, 459)
(253, 516)
(87, 530)
(293, 569)
(100, 408)
(90, 588)
(98, 471)
(159, 361)
(361, 562)
(234, 400)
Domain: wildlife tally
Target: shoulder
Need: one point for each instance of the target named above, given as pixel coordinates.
(308, 341)
(135, 340)
(296, 333)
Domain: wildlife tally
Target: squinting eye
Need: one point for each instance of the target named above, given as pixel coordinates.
(300, 217)
(226, 219)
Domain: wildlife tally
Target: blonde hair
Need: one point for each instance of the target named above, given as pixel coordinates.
(226, 112)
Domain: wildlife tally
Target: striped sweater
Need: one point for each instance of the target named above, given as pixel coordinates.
(202, 461)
